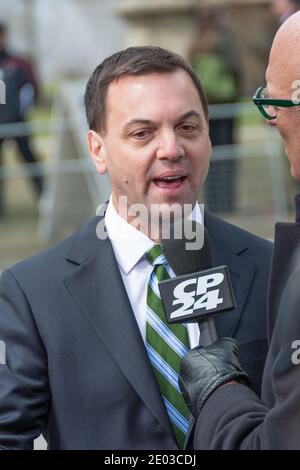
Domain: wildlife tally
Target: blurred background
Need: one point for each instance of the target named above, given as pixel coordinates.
(48, 48)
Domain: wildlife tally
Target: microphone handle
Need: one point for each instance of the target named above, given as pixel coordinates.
(208, 333)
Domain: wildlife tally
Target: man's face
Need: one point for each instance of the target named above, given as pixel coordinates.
(156, 146)
(279, 85)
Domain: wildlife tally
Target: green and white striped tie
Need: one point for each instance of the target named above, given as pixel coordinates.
(166, 344)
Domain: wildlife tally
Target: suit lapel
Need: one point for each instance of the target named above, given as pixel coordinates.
(98, 290)
(227, 248)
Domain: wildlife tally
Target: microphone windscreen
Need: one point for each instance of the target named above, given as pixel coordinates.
(175, 247)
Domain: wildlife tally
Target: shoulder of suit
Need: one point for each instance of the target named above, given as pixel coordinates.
(234, 237)
(56, 255)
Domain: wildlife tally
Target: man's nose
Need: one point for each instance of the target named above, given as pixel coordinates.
(170, 148)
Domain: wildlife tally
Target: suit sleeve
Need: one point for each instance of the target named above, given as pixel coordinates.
(235, 418)
(24, 388)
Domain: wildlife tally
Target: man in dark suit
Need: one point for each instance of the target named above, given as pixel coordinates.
(73, 324)
(230, 415)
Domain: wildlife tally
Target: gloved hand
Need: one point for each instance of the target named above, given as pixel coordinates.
(204, 369)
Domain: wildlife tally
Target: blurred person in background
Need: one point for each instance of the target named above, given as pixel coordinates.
(283, 9)
(215, 58)
(217, 389)
(21, 90)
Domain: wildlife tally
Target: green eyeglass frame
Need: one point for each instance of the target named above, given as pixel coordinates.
(261, 102)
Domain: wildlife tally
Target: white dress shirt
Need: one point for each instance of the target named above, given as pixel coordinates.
(130, 246)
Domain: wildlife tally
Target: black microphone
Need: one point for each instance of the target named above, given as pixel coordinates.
(198, 292)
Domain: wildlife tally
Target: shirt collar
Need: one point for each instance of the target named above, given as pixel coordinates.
(130, 244)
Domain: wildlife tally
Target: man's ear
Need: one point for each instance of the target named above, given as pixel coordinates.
(97, 152)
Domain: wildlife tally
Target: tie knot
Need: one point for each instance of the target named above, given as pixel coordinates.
(155, 256)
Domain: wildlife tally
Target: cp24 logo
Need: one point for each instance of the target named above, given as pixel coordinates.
(202, 290)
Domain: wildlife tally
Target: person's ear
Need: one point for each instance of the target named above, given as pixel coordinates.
(97, 152)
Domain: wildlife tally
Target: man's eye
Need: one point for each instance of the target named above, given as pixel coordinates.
(142, 134)
(188, 128)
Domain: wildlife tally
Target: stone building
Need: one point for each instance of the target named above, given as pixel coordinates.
(173, 24)
(69, 37)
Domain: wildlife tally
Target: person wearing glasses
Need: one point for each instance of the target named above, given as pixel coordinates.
(268, 106)
(229, 415)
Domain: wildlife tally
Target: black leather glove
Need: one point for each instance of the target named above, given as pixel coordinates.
(204, 369)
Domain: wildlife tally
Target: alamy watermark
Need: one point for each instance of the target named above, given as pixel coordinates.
(296, 354)
(2, 92)
(157, 221)
(2, 353)
(296, 93)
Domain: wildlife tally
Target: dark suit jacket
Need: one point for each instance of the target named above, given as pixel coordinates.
(233, 416)
(77, 369)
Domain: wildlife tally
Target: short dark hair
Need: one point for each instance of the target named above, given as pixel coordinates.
(132, 61)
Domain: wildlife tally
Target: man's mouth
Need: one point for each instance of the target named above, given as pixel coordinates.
(169, 181)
